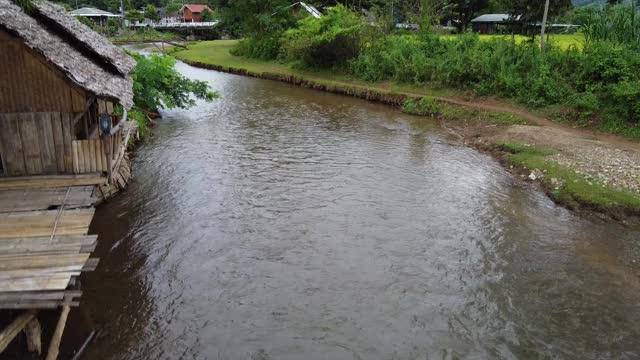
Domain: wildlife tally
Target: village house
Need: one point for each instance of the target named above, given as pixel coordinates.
(193, 12)
(64, 95)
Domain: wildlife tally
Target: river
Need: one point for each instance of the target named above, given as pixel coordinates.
(284, 223)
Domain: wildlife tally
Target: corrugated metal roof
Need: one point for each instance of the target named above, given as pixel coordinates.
(312, 10)
(92, 12)
(493, 18)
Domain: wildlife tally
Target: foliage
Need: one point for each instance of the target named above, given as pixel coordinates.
(330, 41)
(134, 15)
(254, 18)
(85, 20)
(422, 106)
(532, 11)
(150, 12)
(620, 24)
(207, 15)
(112, 26)
(173, 7)
(158, 84)
(602, 78)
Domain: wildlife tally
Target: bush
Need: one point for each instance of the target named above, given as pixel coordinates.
(603, 77)
(265, 47)
(328, 42)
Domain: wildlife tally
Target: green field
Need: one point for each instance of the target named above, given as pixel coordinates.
(563, 41)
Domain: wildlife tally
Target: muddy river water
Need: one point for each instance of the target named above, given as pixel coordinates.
(284, 223)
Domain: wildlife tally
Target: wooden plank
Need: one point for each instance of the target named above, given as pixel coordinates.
(12, 150)
(81, 155)
(72, 262)
(68, 137)
(30, 143)
(39, 295)
(41, 223)
(33, 182)
(102, 106)
(47, 144)
(105, 162)
(44, 199)
(10, 332)
(92, 155)
(53, 282)
(71, 244)
(97, 145)
(58, 141)
(91, 264)
(76, 157)
(35, 305)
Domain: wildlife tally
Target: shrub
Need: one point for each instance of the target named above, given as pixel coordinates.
(328, 42)
(265, 47)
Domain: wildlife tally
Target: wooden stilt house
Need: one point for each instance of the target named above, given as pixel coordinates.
(64, 90)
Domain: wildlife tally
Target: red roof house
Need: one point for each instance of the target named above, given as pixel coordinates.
(192, 12)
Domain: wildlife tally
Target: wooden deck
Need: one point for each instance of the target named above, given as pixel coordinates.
(44, 241)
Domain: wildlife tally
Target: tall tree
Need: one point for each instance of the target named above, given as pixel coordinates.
(150, 12)
(532, 11)
(464, 10)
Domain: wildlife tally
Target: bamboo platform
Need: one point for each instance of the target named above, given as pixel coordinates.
(44, 246)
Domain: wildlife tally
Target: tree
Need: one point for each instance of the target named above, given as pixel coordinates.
(134, 16)
(254, 17)
(466, 9)
(173, 7)
(207, 15)
(532, 11)
(150, 12)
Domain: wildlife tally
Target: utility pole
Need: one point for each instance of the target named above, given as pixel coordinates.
(544, 24)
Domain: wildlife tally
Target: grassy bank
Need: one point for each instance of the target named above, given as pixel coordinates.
(474, 118)
(564, 185)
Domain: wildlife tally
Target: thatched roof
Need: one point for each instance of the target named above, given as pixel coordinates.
(87, 58)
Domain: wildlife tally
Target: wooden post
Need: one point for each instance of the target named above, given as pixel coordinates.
(54, 346)
(10, 332)
(34, 336)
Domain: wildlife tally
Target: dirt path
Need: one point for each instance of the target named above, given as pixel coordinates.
(605, 158)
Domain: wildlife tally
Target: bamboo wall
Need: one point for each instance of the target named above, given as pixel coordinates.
(90, 156)
(38, 143)
(29, 84)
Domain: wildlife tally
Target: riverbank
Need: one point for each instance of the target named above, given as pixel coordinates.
(578, 168)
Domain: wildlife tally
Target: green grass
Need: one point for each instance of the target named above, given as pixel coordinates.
(570, 188)
(216, 53)
(563, 41)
